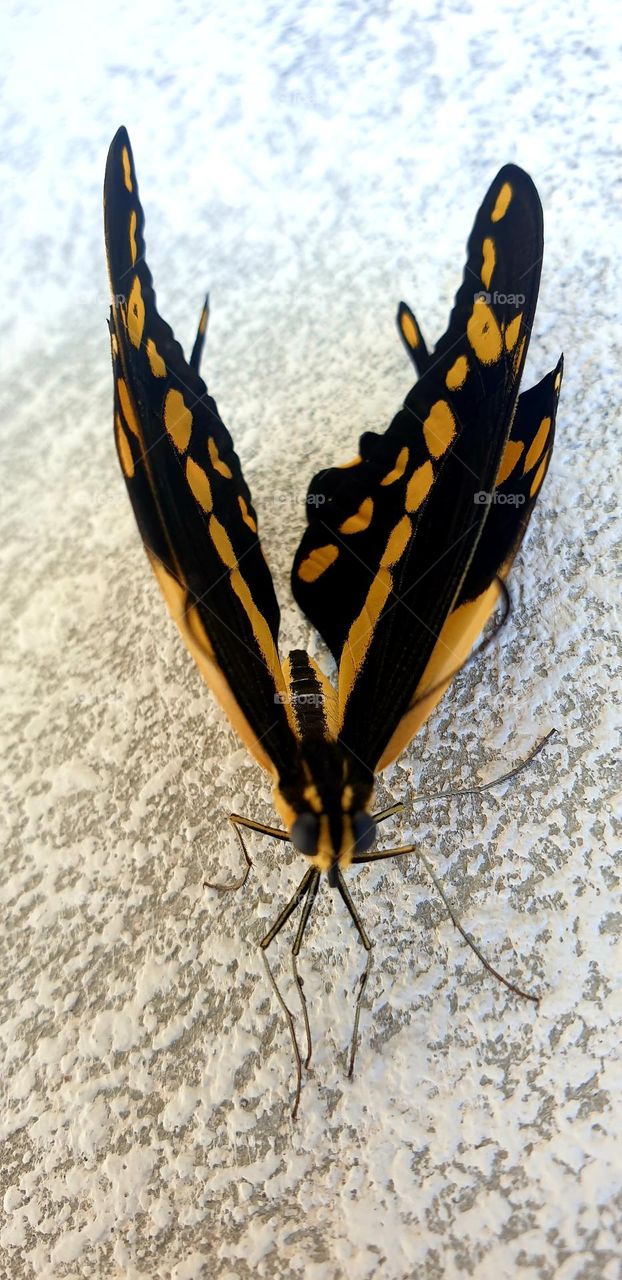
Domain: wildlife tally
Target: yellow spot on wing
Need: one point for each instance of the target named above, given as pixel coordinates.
(511, 455)
(156, 363)
(135, 313)
(484, 333)
(199, 484)
(343, 466)
(512, 331)
(125, 453)
(360, 634)
(502, 203)
(177, 419)
(537, 445)
(246, 515)
(439, 428)
(216, 461)
(223, 543)
(398, 470)
(133, 249)
(361, 519)
(457, 374)
(398, 540)
(489, 258)
(409, 329)
(203, 320)
(127, 168)
(127, 408)
(174, 593)
(419, 486)
(317, 562)
(539, 476)
(558, 382)
(260, 628)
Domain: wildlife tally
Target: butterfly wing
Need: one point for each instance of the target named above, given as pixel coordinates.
(412, 338)
(191, 503)
(521, 473)
(391, 537)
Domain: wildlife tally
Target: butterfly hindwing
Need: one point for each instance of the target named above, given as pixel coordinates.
(199, 342)
(192, 505)
(386, 552)
(412, 338)
(522, 470)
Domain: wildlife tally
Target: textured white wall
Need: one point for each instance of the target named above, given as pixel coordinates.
(311, 165)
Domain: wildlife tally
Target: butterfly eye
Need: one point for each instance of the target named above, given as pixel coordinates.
(305, 832)
(364, 832)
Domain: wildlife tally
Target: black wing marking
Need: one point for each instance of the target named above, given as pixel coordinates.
(386, 552)
(192, 505)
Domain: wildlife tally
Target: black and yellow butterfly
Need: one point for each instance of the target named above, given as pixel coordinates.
(407, 547)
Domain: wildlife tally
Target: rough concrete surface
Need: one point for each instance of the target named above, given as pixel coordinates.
(312, 164)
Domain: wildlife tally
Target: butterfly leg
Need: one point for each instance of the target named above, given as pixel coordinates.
(237, 821)
(486, 786)
(307, 890)
(413, 848)
(367, 943)
(306, 912)
(388, 813)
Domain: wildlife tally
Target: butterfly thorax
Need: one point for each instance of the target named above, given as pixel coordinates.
(323, 799)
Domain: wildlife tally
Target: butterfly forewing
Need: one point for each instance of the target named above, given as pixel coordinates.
(385, 555)
(192, 505)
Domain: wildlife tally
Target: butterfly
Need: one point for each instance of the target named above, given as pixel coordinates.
(405, 554)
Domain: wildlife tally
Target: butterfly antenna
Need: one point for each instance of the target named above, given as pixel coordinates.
(495, 782)
(238, 821)
(306, 893)
(341, 885)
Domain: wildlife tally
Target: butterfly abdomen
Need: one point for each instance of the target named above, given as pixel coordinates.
(310, 696)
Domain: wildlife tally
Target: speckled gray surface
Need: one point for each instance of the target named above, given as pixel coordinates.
(312, 165)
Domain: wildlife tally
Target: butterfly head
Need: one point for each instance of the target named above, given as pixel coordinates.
(325, 805)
